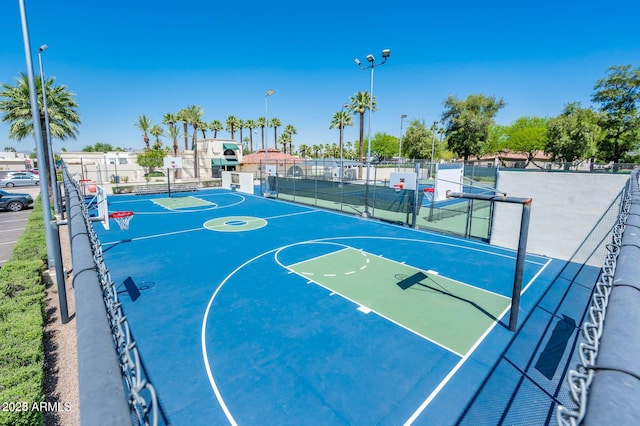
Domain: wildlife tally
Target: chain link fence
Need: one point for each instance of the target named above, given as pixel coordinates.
(324, 183)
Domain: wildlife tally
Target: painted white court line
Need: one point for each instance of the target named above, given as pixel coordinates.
(464, 359)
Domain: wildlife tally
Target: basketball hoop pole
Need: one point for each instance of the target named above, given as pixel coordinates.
(168, 182)
(522, 244)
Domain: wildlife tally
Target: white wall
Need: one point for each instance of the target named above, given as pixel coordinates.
(565, 208)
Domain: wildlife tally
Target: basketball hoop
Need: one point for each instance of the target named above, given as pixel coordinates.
(122, 218)
(398, 187)
(428, 192)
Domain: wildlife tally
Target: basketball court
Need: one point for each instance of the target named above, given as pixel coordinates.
(252, 310)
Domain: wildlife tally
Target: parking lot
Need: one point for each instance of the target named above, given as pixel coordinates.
(12, 223)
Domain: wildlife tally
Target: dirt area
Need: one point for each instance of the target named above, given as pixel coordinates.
(61, 362)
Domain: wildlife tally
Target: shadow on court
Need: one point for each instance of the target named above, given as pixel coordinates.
(418, 277)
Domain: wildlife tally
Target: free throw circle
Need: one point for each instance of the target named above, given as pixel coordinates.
(235, 223)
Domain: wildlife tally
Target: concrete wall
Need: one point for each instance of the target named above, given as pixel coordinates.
(565, 208)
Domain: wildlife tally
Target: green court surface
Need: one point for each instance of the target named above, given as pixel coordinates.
(181, 202)
(235, 223)
(452, 314)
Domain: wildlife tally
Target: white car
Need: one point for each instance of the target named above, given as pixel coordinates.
(19, 180)
(13, 174)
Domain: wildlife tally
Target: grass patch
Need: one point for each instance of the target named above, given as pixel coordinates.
(22, 304)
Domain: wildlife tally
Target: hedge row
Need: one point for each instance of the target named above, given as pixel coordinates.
(22, 316)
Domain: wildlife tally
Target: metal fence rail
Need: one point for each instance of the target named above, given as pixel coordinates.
(605, 385)
(105, 342)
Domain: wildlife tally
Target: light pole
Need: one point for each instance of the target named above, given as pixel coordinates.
(266, 137)
(402, 117)
(54, 254)
(341, 131)
(371, 60)
(433, 141)
(52, 168)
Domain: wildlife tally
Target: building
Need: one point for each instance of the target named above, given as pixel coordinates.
(14, 161)
(214, 156)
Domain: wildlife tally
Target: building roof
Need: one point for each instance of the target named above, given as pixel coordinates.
(274, 155)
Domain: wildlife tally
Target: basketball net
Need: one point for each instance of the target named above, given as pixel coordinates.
(428, 192)
(122, 219)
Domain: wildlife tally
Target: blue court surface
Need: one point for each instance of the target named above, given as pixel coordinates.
(257, 311)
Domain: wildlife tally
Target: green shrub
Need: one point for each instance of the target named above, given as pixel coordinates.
(22, 304)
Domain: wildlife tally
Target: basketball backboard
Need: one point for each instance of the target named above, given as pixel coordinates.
(172, 162)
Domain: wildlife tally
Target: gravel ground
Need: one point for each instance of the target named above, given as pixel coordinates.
(61, 362)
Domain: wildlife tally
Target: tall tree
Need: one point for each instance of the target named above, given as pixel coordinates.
(231, 124)
(183, 116)
(291, 130)
(275, 123)
(170, 120)
(467, 123)
(203, 126)
(618, 96)
(339, 120)
(216, 126)
(251, 124)
(417, 140)
(144, 123)
(240, 125)
(384, 145)
(528, 136)
(262, 123)
(62, 109)
(359, 105)
(304, 150)
(284, 141)
(194, 115)
(573, 135)
(156, 131)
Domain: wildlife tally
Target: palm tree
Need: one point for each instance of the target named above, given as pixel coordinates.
(316, 148)
(144, 124)
(62, 109)
(250, 124)
(289, 128)
(284, 140)
(170, 120)
(275, 123)
(182, 115)
(216, 126)
(327, 150)
(174, 133)
(359, 105)
(240, 126)
(203, 128)
(231, 124)
(304, 150)
(156, 131)
(349, 149)
(340, 119)
(262, 123)
(194, 114)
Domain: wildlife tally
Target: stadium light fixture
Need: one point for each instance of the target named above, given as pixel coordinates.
(371, 59)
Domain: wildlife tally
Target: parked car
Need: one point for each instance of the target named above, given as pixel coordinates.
(19, 180)
(12, 174)
(14, 201)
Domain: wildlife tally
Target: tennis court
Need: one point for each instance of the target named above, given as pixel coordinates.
(259, 311)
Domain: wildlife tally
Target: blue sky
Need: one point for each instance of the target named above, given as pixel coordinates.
(126, 58)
